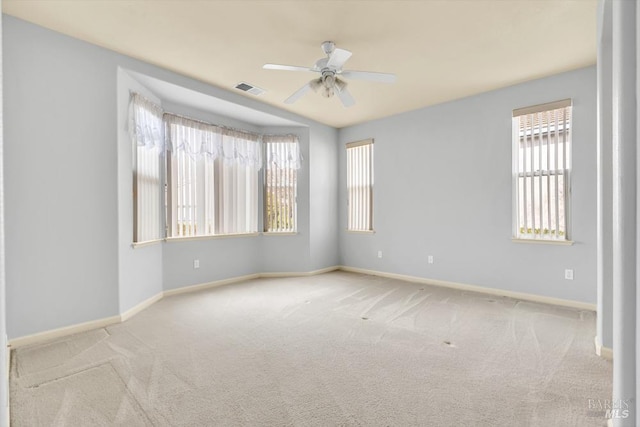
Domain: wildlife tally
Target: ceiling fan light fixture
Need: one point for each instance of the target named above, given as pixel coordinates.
(328, 79)
(316, 84)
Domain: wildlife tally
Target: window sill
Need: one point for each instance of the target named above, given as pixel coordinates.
(136, 245)
(216, 236)
(361, 231)
(280, 233)
(543, 241)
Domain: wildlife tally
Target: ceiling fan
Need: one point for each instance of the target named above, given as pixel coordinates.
(330, 68)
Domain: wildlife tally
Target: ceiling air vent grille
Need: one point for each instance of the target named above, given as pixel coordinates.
(246, 87)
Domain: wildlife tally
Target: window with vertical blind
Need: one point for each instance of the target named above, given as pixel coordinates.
(237, 170)
(192, 178)
(212, 179)
(146, 129)
(360, 185)
(282, 161)
(191, 154)
(541, 171)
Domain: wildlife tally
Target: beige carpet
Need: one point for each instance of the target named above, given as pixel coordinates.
(337, 349)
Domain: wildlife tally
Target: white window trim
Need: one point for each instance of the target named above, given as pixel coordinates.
(543, 241)
(209, 236)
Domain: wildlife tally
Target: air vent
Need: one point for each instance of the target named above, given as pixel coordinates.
(246, 87)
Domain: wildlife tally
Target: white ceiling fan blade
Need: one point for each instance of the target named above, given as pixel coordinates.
(297, 94)
(345, 97)
(285, 67)
(367, 75)
(338, 58)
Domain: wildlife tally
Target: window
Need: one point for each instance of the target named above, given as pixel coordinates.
(212, 179)
(146, 130)
(190, 162)
(360, 185)
(541, 171)
(237, 173)
(283, 159)
(193, 178)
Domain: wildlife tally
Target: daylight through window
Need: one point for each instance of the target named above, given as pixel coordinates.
(541, 169)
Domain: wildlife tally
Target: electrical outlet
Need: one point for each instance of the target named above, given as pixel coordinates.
(568, 274)
(196, 263)
(379, 254)
(430, 259)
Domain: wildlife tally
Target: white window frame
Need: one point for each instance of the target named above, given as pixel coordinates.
(360, 182)
(541, 170)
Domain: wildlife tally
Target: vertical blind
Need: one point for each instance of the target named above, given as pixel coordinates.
(541, 167)
(237, 176)
(146, 129)
(282, 159)
(360, 185)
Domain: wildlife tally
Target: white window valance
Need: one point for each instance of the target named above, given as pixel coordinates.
(198, 138)
(145, 122)
(283, 151)
(241, 147)
(192, 137)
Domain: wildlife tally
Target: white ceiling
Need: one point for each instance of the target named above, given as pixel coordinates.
(439, 49)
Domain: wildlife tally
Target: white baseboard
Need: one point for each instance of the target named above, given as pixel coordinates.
(602, 351)
(214, 284)
(7, 407)
(63, 332)
(140, 306)
(301, 274)
(475, 288)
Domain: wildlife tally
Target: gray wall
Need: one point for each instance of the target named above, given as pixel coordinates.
(324, 203)
(3, 316)
(60, 165)
(443, 188)
(605, 178)
(68, 219)
(139, 269)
